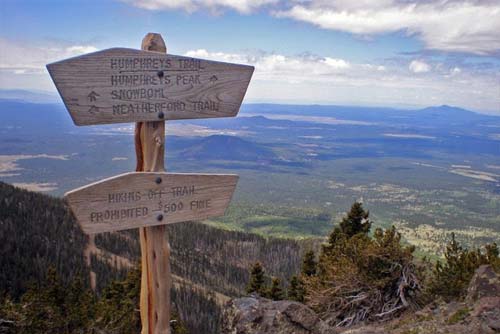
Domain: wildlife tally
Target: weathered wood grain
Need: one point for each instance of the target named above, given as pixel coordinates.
(156, 276)
(126, 85)
(135, 199)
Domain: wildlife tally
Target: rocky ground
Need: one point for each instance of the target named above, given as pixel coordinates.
(479, 313)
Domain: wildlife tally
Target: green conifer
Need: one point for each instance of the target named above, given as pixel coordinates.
(451, 277)
(256, 283)
(80, 304)
(118, 307)
(296, 289)
(176, 325)
(275, 292)
(309, 264)
(356, 221)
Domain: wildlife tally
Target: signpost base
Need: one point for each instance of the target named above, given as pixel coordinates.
(155, 280)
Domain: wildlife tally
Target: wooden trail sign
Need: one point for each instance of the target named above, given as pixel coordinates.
(135, 200)
(125, 85)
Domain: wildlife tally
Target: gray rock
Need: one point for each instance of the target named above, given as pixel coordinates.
(487, 311)
(255, 315)
(484, 283)
(479, 314)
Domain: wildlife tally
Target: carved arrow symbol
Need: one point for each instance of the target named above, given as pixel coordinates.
(93, 110)
(92, 96)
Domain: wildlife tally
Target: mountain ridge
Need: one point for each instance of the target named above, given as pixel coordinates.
(224, 147)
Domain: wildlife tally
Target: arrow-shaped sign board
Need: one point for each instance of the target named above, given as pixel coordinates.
(133, 200)
(126, 85)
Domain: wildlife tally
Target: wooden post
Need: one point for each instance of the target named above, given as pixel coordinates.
(205, 89)
(155, 250)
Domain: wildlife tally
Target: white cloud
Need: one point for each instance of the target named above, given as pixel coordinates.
(242, 6)
(418, 66)
(469, 26)
(380, 68)
(274, 66)
(219, 56)
(81, 49)
(27, 59)
(303, 78)
(336, 63)
(462, 25)
(316, 79)
(22, 65)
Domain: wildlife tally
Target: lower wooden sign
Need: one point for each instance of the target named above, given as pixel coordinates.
(139, 199)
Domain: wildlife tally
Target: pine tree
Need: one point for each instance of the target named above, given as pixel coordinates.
(335, 236)
(492, 255)
(356, 221)
(44, 306)
(296, 289)
(275, 292)
(80, 304)
(451, 277)
(11, 314)
(176, 325)
(118, 307)
(309, 264)
(256, 283)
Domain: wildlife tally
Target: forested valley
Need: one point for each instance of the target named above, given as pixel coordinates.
(56, 279)
(44, 249)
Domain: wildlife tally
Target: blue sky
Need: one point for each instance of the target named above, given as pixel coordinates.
(366, 52)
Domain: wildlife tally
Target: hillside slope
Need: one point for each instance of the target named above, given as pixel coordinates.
(36, 231)
(209, 264)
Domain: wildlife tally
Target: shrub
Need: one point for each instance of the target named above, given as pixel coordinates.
(452, 276)
(361, 278)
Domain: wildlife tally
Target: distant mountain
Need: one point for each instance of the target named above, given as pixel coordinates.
(451, 114)
(373, 114)
(242, 122)
(17, 110)
(220, 147)
(32, 96)
(37, 117)
(443, 109)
